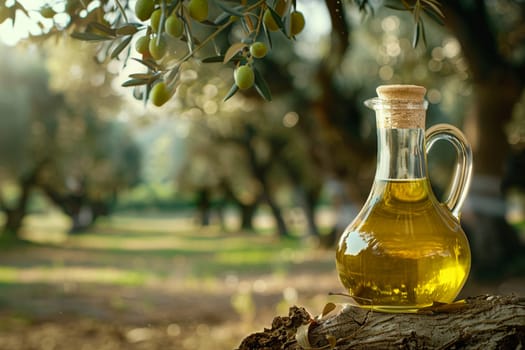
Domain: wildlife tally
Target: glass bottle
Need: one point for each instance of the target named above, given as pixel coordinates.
(405, 249)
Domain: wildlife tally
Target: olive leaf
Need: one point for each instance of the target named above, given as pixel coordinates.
(419, 34)
(19, 6)
(329, 307)
(232, 92)
(415, 37)
(233, 11)
(423, 34)
(143, 76)
(148, 63)
(232, 51)
(122, 11)
(213, 59)
(127, 29)
(435, 5)
(261, 86)
(135, 82)
(90, 36)
(268, 37)
(436, 18)
(100, 27)
(123, 44)
(431, 8)
(220, 58)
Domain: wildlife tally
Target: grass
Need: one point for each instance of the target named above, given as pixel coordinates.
(134, 243)
(149, 276)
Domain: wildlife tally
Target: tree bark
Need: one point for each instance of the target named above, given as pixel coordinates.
(485, 322)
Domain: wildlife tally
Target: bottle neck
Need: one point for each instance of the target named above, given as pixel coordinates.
(401, 154)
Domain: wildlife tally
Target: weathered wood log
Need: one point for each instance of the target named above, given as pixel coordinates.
(484, 322)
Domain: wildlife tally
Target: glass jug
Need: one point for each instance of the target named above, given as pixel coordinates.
(405, 249)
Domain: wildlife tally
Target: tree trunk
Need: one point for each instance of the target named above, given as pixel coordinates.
(247, 215)
(82, 212)
(260, 171)
(204, 206)
(16, 215)
(282, 230)
(486, 322)
(247, 210)
(307, 193)
(309, 199)
(13, 222)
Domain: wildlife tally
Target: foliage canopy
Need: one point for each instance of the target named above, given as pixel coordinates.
(162, 35)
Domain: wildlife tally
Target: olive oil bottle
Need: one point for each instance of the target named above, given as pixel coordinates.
(405, 249)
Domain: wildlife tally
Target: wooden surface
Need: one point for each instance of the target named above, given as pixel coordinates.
(484, 322)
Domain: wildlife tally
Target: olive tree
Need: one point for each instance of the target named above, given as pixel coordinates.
(167, 33)
(245, 151)
(71, 154)
(89, 169)
(29, 122)
(239, 34)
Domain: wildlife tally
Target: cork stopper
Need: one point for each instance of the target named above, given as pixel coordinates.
(400, 106)
(401, 92)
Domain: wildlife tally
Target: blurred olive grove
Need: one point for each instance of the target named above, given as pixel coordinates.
(73, 140)
(68, 149)
(249, 153)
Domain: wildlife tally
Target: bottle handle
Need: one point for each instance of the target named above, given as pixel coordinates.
(463, 169)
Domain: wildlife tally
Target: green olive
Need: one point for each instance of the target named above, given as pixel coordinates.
(159, 94)
(269, 21)
(244, 77)
(174, 26)
(158, 49)
(155, 20)
(258, 49)
(144, 9)
(198, 9)
(142, 45)
(47, 12)
(296, 22)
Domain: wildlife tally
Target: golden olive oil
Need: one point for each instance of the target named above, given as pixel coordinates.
(404, 250)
